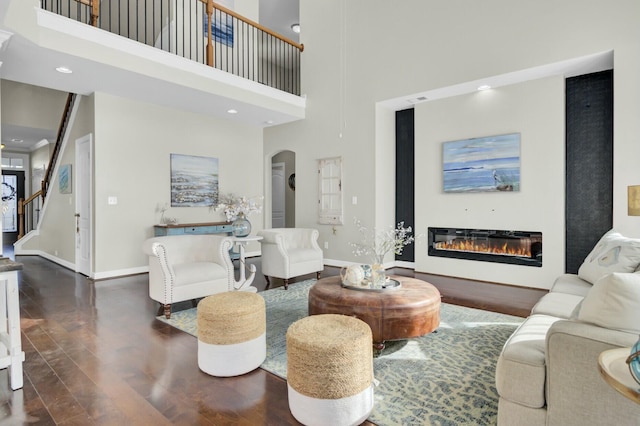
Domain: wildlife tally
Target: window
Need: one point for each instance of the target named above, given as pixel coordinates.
(330, 191)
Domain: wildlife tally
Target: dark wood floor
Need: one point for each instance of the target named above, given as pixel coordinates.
(95, 354)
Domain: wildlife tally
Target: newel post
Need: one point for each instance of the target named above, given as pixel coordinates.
(209, 38)
(95, 12)
(20, 218)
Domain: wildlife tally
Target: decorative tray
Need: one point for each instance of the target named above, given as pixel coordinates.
(367, 285)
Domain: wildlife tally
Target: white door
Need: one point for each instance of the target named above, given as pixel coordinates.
(84, 154)
(277, 195)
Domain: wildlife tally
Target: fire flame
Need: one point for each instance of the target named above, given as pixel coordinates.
(483, 247)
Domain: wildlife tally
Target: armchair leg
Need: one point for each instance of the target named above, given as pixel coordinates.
(268, 282)
(167, 311)
(318, 275)
(286, 283)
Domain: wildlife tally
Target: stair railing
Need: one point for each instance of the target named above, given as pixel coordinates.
(29, 213)
(199, 30)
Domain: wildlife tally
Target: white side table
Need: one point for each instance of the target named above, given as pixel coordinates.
(244, 282)
(615, 371)
(10, 341)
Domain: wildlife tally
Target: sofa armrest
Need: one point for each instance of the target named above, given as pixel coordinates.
(576, 393)
(157, 250)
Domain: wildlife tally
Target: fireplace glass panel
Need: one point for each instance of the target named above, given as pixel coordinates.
(513, 247)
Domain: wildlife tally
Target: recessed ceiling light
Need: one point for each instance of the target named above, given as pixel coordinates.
(17, 140)
(417, 100)
(64, 70)
(295, 28)
(269, 122)
(232, 111)
(484, 87)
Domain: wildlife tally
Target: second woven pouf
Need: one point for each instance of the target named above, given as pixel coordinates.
(330, 370)
(231, 333)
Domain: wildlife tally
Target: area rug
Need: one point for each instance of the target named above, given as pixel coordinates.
(444, 378)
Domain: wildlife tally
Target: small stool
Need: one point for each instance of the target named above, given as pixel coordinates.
(330, 370)
(231, 333)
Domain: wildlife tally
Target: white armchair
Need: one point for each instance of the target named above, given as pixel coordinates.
(186, 267)
(290, 252)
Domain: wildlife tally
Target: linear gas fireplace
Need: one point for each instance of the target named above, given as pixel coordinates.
(514, 247)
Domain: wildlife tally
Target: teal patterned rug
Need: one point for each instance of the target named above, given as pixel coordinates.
(443, 378)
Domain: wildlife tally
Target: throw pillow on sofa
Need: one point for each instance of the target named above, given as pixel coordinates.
(613, 253)
(614, 302)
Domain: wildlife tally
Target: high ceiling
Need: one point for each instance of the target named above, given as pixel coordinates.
(23, 62)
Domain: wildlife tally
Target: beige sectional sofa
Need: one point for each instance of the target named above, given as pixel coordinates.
(547, 373)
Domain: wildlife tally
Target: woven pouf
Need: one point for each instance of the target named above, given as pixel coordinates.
(330, 370)
(231, 333)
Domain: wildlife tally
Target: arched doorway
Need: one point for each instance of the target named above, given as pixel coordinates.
(283, 194)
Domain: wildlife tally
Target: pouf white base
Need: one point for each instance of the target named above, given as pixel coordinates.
(352, 410)
(234, 359)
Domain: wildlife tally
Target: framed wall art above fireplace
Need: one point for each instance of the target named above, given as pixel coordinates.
(485, 164)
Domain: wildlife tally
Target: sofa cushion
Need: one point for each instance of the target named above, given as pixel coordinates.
(556, 304)
(521, 369)
(614, 302)
(571, 284)
(189, 273)
(613, 253)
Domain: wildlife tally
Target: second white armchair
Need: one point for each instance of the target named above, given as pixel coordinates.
(290, 252)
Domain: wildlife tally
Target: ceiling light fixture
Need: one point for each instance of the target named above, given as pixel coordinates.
(64, 70)
(232, 111)
(14, 140)
(295, 28)
(484, 87)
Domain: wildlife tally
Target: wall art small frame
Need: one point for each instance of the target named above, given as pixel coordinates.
(64, 179)
(633, 200)
(222, 24)
(484, 164)
(194, 181)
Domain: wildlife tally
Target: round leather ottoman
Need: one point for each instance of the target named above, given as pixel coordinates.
(330, 370)
(231, 333)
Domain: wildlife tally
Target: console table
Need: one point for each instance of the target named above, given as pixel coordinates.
(10, 321)
(196, 229)
(192, 228)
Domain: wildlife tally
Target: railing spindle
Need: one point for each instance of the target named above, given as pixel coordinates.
(229, 42)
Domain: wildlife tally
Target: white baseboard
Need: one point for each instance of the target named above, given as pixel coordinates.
(49, 256)
(120, 273)
(72, 266)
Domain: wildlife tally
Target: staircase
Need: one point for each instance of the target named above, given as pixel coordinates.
(29, 209)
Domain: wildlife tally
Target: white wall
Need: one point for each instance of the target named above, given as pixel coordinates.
(535, 110)
(56, 235)
(44, 114)
(133, 143)
(362, 52)
(132, 146)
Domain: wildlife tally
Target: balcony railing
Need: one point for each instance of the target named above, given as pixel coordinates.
(232, 43)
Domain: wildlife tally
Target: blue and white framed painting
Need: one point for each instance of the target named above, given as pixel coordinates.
(222, 28)
(194, 181)
(64, 179)
(486, 164)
